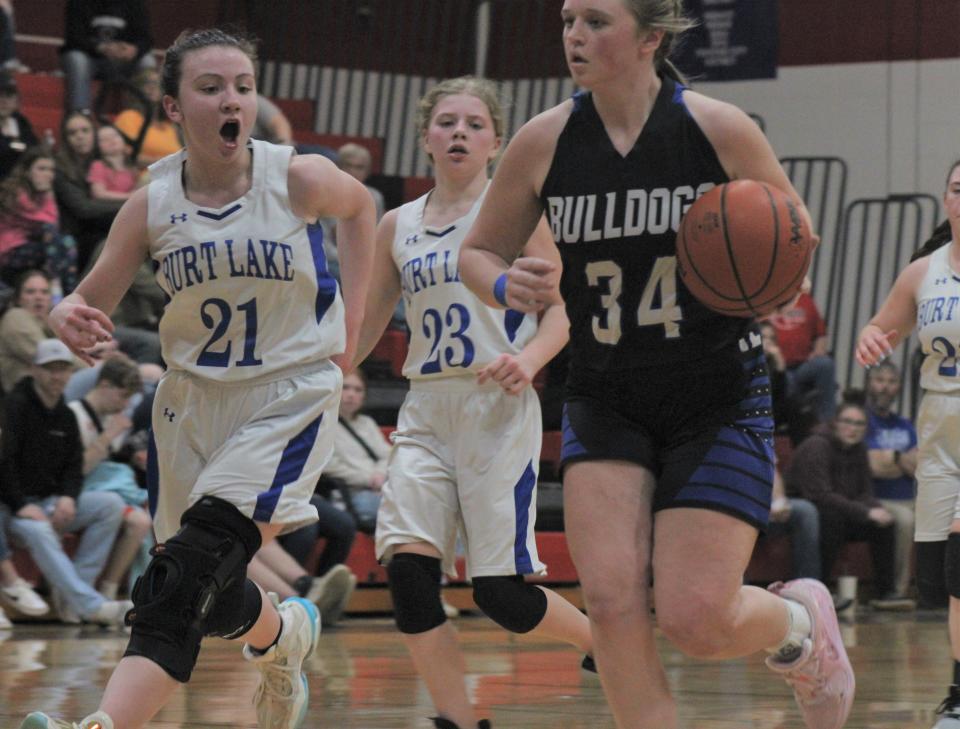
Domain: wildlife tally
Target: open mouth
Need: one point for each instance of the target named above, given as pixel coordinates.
(230, 131)
(457, 149)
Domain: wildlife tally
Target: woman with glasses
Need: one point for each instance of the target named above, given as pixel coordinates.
(830, 468)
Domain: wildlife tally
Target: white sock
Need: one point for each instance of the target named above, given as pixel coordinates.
(801, 628)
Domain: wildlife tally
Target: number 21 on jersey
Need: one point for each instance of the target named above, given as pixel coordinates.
(661, 287)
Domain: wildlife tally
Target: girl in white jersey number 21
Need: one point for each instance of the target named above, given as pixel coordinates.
(243, 419)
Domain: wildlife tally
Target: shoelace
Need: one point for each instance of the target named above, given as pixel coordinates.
(278, 680)
(807, 681)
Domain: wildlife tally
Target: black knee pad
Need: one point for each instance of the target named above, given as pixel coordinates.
(415, 588)
(510, 602)
(932, 575)
(952, 564)
(195, 583)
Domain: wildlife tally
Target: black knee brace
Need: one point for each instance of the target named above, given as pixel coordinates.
(952, 564)
(932, 575)
(415, 588)
(195, 585)
(510, 602)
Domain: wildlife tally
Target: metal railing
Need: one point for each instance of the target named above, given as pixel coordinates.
(879, 236)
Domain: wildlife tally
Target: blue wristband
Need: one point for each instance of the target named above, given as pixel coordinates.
(500, 289)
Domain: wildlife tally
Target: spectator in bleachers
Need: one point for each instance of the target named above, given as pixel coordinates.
(799, 520)
(802, 336)
(276, 571)
(23, 326)
(892, 449)
(105, 39)
(103, 429)
(30, 234)
(791, 417)
(335, 526)
(831, 469)
(41, 462)
(360, 454)
(8, 51)
(86, 219)
(113, 176)
(16, 132)
(272, 124)
(137, 316)
(161, 136)
(355, 160)
(15, 592)
(794, 517)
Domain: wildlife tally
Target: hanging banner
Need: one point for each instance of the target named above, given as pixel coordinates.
(734, 40)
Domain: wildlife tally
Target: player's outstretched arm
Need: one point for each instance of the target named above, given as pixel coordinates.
(384, 289)
(896, 318)
(319, 189)
(82, 319)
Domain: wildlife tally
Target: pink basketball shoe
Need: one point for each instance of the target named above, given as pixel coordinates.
(821, 678)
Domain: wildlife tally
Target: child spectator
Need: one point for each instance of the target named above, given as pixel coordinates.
(103, 430)
(113, 176)
(30, 234)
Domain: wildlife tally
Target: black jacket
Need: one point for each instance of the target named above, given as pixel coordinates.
(91, 22)
(41, 453)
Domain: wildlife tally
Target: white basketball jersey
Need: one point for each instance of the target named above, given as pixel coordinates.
(452, 332)
(249, 290)
(938, 324)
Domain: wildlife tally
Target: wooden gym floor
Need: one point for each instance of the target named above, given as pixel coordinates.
(362, 678)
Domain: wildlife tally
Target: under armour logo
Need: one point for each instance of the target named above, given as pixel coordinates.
(411, 239)
(939, 281)
(182, 217)
(169, 414)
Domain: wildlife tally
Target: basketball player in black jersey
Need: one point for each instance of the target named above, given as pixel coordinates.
(667, 443)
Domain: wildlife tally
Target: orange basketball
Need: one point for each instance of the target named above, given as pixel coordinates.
(743, 248)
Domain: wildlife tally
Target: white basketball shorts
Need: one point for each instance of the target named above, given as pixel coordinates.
(465, 457)
(260, 446)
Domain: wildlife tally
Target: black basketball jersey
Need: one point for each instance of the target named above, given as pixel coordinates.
(615, 221)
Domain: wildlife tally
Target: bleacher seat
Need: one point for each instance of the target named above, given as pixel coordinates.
(392, 348)
(414, 187)
(299, 112)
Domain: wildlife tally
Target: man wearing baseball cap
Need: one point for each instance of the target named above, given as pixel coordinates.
(41, 474)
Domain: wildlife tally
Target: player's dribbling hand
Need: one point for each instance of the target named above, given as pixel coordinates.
(875, 345)
(530, 284)
(509, 372)
(80, 327)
